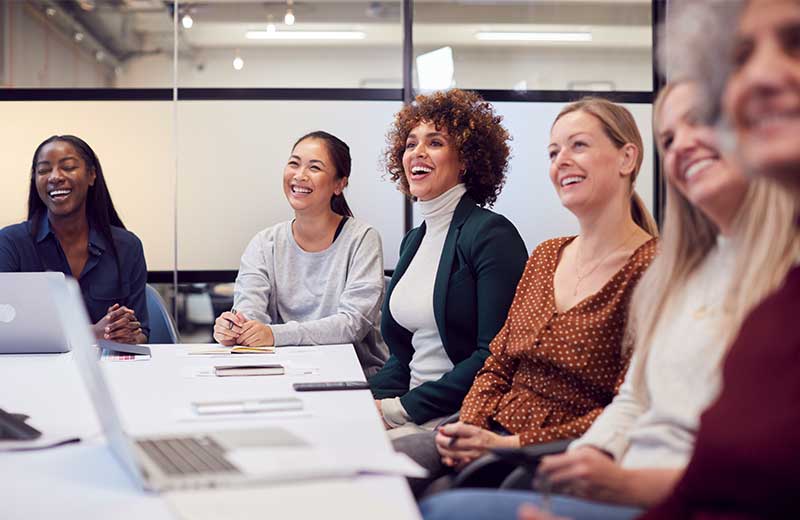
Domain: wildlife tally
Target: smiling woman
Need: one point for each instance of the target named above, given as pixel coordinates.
(317, 279)
(72, 227)
(457, 271)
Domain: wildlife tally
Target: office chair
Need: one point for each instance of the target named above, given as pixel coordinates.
(162, 328)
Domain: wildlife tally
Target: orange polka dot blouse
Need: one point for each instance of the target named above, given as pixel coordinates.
(550, 374)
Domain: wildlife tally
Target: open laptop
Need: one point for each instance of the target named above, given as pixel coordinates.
(185, 461)
(27, 314)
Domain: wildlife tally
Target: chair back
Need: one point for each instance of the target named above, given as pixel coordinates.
(162, 328)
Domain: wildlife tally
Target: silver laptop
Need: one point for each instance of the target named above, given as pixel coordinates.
(27, 314)
(185, 461)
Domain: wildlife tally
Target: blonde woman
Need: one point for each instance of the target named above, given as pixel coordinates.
(726, 244)
(558, 360)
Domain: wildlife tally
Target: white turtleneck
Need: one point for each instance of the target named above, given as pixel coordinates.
(411, 303)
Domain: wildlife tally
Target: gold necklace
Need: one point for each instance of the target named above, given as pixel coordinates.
(581, 277)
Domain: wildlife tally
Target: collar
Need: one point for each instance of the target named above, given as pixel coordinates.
(97, 242)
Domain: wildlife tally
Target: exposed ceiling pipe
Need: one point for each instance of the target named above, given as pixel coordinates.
(75, 30)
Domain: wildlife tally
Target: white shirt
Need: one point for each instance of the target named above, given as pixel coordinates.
(682, 376)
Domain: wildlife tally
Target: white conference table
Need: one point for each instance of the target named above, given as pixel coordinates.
(84, 481)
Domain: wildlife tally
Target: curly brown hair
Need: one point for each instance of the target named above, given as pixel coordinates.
(475, 129)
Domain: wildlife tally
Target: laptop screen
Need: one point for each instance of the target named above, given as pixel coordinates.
(77, 328)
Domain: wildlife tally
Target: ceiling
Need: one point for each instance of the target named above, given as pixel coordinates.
(124, 29)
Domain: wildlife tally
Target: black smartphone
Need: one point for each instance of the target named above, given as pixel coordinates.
(331, 385)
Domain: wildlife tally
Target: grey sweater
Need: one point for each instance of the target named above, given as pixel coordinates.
(332, 296)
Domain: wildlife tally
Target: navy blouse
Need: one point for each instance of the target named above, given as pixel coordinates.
(102, 283)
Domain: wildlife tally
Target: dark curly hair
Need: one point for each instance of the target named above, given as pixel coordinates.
(480, 139)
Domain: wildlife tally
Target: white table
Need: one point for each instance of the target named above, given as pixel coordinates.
(84, 480)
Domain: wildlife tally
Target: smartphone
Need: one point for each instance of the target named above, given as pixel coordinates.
(249, 370)
(331, 385)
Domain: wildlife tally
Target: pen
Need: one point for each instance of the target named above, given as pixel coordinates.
(452, 441)
(230, 323)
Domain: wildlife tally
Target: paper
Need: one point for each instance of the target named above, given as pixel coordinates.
(187, 415)
(314, 463)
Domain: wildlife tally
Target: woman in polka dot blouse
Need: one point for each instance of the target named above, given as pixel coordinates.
(559, 358)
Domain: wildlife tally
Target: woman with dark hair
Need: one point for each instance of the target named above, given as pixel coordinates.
(318, 278)
(455, 279)
(72, 227)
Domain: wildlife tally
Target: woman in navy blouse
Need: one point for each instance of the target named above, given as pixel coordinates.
(72, 227)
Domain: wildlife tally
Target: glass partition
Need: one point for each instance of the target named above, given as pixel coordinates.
(196, 179)
(534, 45)
(290, 45)
(85, 44)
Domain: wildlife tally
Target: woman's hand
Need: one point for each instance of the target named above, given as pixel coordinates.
(255, 334)
(121, 325)
(586, 473)
(531, 512)
(227, 328)
(459, 443)
(386, 425)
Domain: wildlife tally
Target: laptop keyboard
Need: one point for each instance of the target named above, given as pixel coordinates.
(187, 455)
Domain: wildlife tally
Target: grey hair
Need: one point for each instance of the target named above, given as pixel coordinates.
(696, 45)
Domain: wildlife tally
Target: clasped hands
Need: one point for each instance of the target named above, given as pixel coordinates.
(236, 329)
(119, 324)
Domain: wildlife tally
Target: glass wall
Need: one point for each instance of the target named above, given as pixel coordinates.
(196, 179)
(535, 45)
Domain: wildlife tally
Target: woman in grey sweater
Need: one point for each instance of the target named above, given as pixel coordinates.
(317, 279)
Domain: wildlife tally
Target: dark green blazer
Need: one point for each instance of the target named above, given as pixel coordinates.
(482, 261)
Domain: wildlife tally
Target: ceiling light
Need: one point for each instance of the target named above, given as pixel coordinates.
(238, 62)
(50, 11)
(305, 35)
(99, 55)
(78, 36)
(534, 36)
(187, 21)
(289, 18)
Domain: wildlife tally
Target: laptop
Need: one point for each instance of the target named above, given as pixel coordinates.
(187, 461)
(27, 314)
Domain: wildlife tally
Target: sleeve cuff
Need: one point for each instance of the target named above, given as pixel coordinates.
(285, 334)
(613, 443)
(393, 412)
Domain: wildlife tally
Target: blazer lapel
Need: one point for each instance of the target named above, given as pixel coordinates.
(464, 208)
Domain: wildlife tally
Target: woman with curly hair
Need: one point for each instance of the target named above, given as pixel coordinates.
(456, 275)
(560, 358)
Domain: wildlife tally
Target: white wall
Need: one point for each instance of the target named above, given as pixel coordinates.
(133, 140)
(528, 198)
(232, 155)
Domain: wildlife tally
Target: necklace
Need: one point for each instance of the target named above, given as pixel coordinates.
(580, 276)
